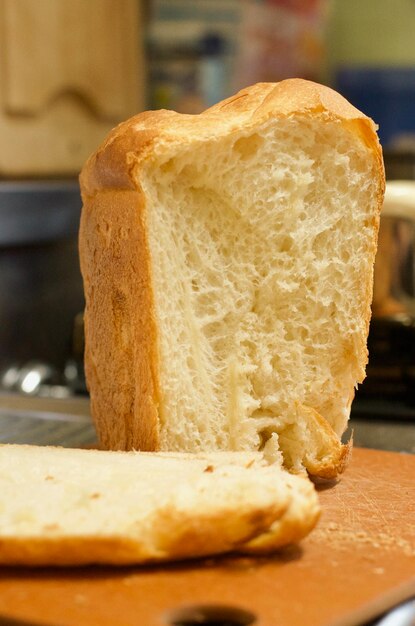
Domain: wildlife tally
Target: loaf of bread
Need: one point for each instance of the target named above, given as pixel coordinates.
(72, 507)
(228, 260)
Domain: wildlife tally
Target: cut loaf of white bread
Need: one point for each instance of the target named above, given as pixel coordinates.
(72, 507)
(227, 260)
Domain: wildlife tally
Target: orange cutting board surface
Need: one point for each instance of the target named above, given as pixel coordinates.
(358, 562)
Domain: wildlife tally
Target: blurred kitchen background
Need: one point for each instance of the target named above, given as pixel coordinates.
(70, 70)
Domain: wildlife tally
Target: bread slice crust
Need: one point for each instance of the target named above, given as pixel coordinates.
(76, 507)
(126, 414)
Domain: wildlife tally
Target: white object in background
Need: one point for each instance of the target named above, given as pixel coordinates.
(399, 199)
(403, 615)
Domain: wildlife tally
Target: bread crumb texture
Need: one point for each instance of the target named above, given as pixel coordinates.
(262, 248)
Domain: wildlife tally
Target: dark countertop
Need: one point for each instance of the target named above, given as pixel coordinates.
(67, 422)
(46, 421)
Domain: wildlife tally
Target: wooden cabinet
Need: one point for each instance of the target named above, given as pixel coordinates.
(69, 71)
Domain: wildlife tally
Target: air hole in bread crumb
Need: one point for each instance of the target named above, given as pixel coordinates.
(168, 166)
(286, 244)
(342, 186)
(248, 146)
(289, 335)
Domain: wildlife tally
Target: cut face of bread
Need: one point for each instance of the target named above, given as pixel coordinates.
(259, 220)
(259, 242)
(71, 507)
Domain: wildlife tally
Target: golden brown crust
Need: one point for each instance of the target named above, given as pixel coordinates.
(39, 551)
(333, 466)
(111, 167)
(120, 355)
(175, 537)
(126, 409)
(327, 457)
(199, 535)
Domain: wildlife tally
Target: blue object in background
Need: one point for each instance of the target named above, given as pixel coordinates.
(387, 95)
(212, 72)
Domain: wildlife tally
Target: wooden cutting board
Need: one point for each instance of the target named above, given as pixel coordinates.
(358, 562)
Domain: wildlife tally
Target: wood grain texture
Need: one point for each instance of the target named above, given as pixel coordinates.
(70, 71)
(358, 562)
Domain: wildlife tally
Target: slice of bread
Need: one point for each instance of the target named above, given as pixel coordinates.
(72, 507)
(227, 259)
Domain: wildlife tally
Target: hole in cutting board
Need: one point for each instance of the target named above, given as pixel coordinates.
(211, 615)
